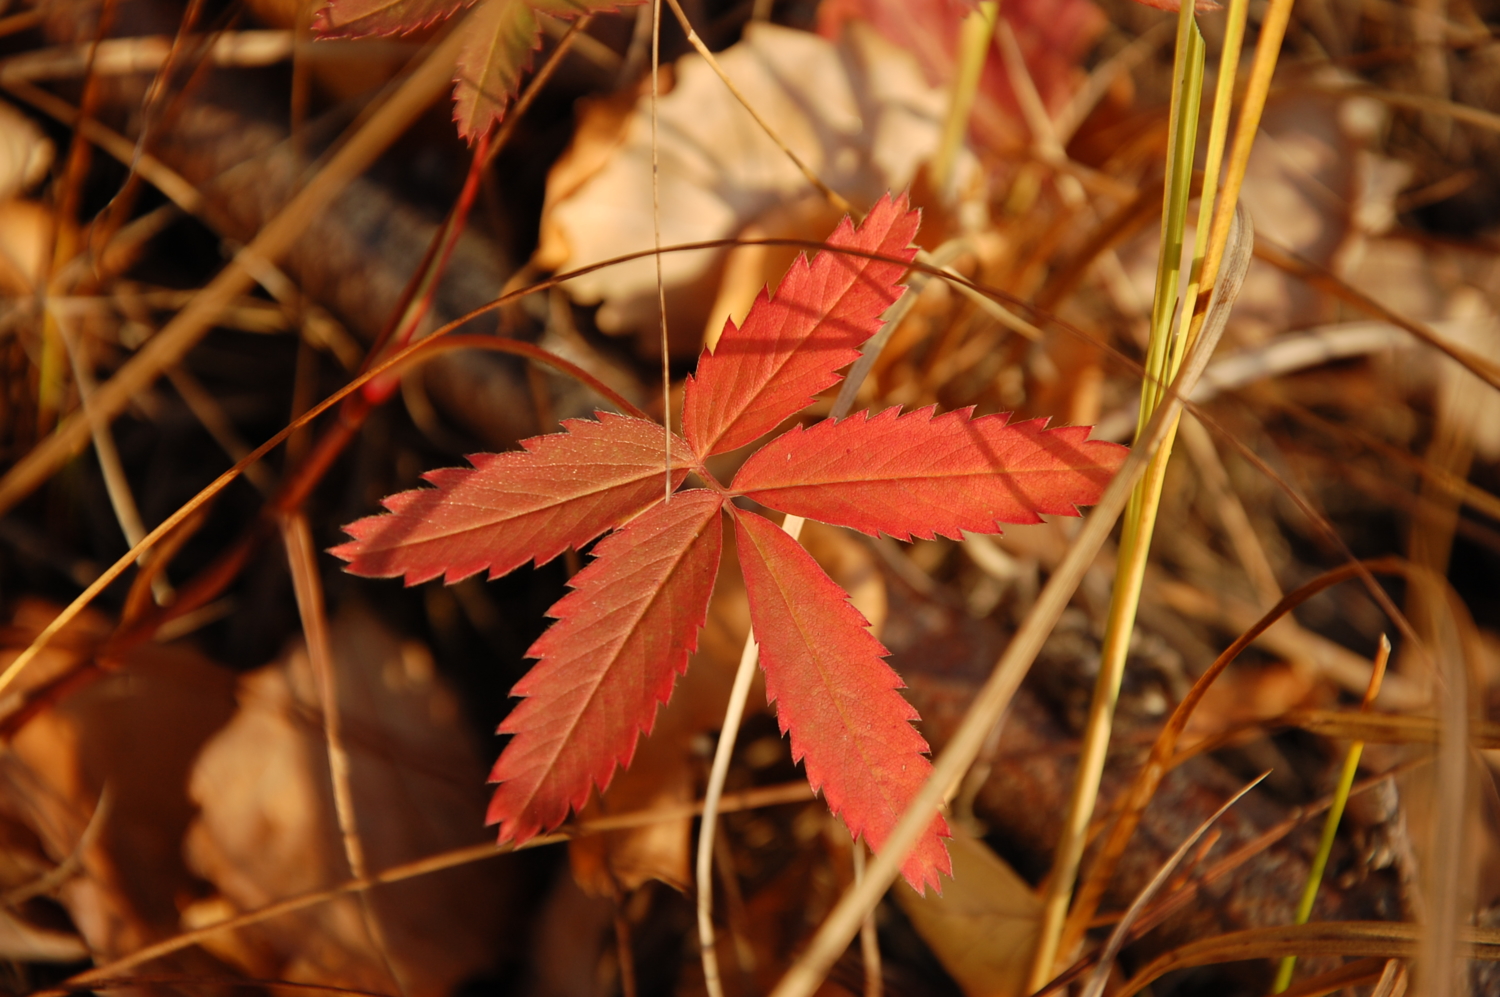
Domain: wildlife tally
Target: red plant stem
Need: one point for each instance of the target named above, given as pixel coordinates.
(381, 388)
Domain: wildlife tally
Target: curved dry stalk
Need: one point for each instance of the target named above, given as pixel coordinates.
(116, 485)
(990, 703)
(426, 83)
(1094, 987)
(69, 866)
(739, 694)
(768, 796)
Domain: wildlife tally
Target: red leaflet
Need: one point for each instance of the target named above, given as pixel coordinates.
(561, 491)
(834, 694)
(501, 37)
(918, 474)
(793, 343)
(624, 633)
(623, 636)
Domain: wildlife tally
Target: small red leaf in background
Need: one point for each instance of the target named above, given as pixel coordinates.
(502, 36)
(849, 725)
(363, 18)
(794, 342)
(918, 474)
(562, 490)
(622, 638)
(1054, 36)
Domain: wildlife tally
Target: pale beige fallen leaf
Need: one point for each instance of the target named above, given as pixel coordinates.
(25, 234)
(266, 828)
(135, 730)
(858, 113)
(25, 153)
(983, 926)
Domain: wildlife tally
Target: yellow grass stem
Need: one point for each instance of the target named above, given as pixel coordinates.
(1162, 362)
(1331, 821)
(973, 49)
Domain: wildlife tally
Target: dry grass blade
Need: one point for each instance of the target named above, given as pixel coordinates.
(1100, 977)
(163, 178)
(1392, 982)
(966, 742)
(869, 940)
(1387, 939)
(425, 84)
(1379, 728)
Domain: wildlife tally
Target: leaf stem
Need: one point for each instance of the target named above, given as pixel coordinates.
(734, 713)
(739, 693)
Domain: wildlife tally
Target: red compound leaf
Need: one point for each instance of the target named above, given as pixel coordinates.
(624, 633)
(850, 726)
(622, 638)
(793, 342)
(560, 491)
(919, 474)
